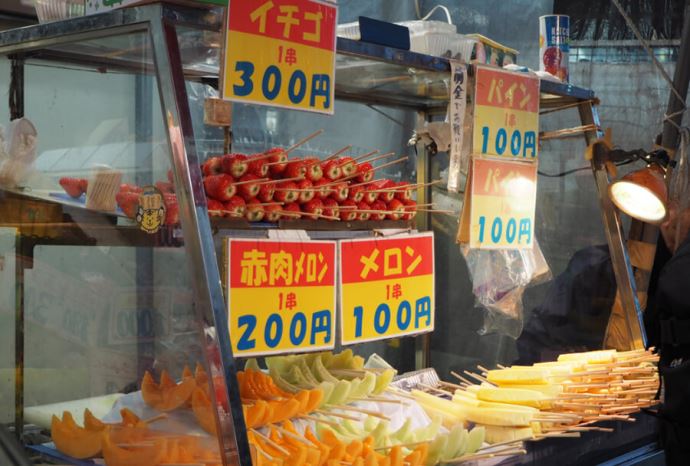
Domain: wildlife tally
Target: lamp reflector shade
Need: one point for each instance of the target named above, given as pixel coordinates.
(641, 194)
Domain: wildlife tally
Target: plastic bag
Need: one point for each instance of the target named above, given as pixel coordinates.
(499, 278)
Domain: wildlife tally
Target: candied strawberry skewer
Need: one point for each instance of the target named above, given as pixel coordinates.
(331, 209)
(278, 157)
(234, 164)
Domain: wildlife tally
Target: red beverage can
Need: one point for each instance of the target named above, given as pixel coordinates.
(554, 45)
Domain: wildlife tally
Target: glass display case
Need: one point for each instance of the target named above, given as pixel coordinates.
(100, 314)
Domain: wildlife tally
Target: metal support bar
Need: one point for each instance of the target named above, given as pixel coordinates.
(681, 76)
(620, 259)
(196, 225)
(16, 99)
(423, 342)
(20, 262)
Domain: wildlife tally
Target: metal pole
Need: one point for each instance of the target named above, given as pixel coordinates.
(681, 76)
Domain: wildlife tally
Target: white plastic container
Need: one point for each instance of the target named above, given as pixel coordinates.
(55, 10)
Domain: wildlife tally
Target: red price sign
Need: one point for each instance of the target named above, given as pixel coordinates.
(281, 53)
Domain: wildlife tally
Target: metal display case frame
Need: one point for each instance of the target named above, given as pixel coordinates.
(64, 42)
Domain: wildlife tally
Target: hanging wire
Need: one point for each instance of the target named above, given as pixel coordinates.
(658, 65)
(428, 15)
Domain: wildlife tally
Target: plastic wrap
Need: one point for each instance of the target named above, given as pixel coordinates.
(499, 278)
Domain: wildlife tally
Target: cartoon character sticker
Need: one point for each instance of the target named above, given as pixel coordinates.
(151, 211)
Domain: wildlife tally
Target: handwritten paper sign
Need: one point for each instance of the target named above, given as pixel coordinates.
(387, 287)
(281, 296)
(281, 53)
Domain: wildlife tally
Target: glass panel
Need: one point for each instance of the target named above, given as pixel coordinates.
(104, 303)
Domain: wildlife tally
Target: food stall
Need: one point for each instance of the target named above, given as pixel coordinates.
(175, 305)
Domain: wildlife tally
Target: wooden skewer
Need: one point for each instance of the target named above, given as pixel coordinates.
(388, 164)
(359, 410)
(559, 434)
(363, 156)
(429, 387)
(298, 189)
(500, 444)
(410, 187)
(337, 153)
(452, 385)
(480, 367)
(378, 157)
(292, 435)
(257, 181)
(322, 421)
(327, 217)
(296, 178)
(478, 377)
(270, 442)
(331, 413)
(406, 445)
(437, 211)
(361, 184)
(253, 158)
(261, 452)
(289, 213)
(303, 140)
(157, 418)
(400, 393)
(459, 377)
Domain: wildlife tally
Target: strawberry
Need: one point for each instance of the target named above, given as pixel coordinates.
(255, 211)
(165, 187)
(172, 210)
(403, 194)
(347, 210)
(389, 195)
(128, 202)
(370, 195)
(381, 206)
(410, 209)
(285, 192)
(323, 189)
(278, 160)
(365, 172)
(83, 184)
(235, 207)
(313, 208)
(396, 209)
(266, 192)
(257, 166)
(347, 166)
(341, 191)
(249, 190)
(363, 215)
(331, 208)
(292, 211)
(314, 172)
(215, 208)
(306, 192)
(220, 187)
(331, 170)
(234, 164)
(212, 166)
(273, 212)
(130, 188)
(356, 193)
(296, 168)
(72, 186)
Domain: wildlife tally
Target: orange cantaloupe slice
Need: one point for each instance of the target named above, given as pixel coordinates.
(203, 410)
(167, 395)
(73, 440)
(115, 455)
(91, 422)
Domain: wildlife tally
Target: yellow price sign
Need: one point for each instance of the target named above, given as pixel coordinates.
(281, 53)
(503, 198)
(506, 114)
(386, 287)
(281, 296)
